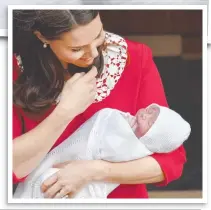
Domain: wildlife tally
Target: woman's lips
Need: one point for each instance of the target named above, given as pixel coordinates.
(86, 59)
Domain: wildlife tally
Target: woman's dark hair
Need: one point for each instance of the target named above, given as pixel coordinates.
(42, 79)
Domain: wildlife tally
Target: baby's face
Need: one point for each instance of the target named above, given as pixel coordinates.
(145, 118)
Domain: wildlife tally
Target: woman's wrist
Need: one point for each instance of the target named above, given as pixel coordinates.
(99, 170)
(63, 115)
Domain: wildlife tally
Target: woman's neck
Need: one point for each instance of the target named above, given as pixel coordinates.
(66, 72)
(64, 64)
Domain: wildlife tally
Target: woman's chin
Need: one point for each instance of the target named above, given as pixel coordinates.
(87, 62)
(83, 64)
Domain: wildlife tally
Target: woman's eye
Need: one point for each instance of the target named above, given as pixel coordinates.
(75, 50)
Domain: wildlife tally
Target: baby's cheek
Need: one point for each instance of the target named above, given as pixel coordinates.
(142, 127)
(138, 132)
(139, 128)
(139, 120)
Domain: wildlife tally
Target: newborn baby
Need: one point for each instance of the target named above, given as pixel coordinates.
(143, 120)
(114, 136)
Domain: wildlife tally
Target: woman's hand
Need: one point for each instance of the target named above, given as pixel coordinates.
(78, 94)
(72, 176)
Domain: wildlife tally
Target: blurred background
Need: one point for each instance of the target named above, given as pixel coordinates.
(175, 37)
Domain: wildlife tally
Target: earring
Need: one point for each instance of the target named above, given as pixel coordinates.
(45, 45)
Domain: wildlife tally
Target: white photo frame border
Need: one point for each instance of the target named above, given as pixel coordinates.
(209, 23)
(202, 200)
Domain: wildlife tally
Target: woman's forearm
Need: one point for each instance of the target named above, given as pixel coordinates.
(30, 148)
(142, 171)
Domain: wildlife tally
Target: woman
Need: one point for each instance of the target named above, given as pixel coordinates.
(51, 99)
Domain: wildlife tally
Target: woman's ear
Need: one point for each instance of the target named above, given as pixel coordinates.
(40, 37)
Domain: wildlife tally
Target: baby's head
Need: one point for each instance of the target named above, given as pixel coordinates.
(145, 118)
(158, 126)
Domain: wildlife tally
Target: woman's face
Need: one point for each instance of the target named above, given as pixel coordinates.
(79, 46)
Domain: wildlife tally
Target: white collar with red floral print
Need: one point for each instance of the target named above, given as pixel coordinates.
(115, 57)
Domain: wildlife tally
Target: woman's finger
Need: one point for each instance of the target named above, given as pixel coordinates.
(70, 195)
(48, 182)
(61, 165)
(93, 81)
(52, 191)
(90, 75)
(92, 90)
(63, 192)
(76, 76)
(73, 193)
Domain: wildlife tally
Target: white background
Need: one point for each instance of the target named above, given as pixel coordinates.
(3, 152)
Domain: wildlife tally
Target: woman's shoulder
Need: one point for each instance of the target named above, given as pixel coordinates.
(138, 53)
(138, 48)
(130, 45)
(135, 53)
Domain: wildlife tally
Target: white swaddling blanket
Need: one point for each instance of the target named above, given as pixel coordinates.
(106, 135)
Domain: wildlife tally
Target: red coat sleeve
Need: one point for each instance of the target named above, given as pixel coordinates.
(17, 124)
(152, 91)
(17, 131)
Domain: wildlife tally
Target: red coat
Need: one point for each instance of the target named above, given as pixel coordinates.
(139, 85)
